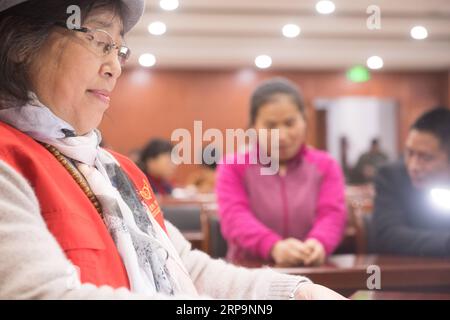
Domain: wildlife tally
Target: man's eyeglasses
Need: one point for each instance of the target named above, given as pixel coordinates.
(101, 42)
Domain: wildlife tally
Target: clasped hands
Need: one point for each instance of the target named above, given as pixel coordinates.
(292, 252)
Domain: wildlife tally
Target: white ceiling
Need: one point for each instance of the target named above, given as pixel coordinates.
(231, 33)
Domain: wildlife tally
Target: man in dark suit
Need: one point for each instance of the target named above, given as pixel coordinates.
(411, 217)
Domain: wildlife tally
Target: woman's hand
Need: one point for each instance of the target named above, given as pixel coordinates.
(316, 254)
(292, 252)
(289, 252)
(312, 291)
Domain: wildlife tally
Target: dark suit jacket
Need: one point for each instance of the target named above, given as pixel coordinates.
(405, 221)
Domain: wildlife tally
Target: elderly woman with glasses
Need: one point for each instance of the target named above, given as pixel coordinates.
(76, 220)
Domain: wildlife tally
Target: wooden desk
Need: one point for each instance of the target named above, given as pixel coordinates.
(200, 199)
(392, 295)
(348, 273)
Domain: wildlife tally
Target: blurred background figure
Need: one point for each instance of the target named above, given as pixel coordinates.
(296, 216)
(412, 204)
(158, 166)
(368, 164)
(204, 178)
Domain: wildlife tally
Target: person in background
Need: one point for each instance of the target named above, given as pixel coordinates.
(295, 217)
(158, 166)
(204, 178)
(412, 208)
(369, 162)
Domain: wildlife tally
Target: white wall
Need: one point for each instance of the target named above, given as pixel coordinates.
(360, 119)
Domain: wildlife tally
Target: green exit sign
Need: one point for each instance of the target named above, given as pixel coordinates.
(358, 74)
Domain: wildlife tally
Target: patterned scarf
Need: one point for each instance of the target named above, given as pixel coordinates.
(151, 261)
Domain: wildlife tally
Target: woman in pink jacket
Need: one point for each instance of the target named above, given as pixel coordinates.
(294, 217)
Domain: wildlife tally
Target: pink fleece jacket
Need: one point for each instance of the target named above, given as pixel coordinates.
(258, 210)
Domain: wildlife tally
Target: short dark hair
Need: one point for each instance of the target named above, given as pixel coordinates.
(154, 148)
(375, 142)
(264, 93)
(436, 122)
(23, 31)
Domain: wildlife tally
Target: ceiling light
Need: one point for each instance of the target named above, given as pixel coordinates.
(169, 5)
(147, 60)
(291, 30)
(375, 62)
(263, 61)
(157, 28)
(325, 7)
(419, 33)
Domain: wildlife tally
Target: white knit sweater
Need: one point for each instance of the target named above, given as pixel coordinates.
(33, 265)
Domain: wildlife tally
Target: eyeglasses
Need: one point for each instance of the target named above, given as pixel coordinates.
(102, 42)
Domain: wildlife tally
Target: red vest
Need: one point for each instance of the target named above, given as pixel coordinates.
(67, 211)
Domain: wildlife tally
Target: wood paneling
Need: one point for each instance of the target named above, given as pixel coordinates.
(153, 103)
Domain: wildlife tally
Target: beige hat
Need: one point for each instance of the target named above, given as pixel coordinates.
(134, 12)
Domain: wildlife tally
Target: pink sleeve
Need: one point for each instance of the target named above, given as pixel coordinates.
(238, 223)
(331, 214)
